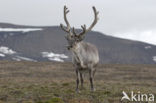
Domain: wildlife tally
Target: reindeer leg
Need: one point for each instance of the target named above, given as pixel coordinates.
(77, 81)
(94, 72)
(81, 77)
(91, 79)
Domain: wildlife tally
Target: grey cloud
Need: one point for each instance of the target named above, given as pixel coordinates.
(116, 16)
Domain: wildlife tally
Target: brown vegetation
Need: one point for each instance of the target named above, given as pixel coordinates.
(52, 82)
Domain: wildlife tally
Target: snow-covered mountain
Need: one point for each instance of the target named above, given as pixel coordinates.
(5, 51)
(39, 43)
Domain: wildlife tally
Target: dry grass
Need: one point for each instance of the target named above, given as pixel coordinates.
(51, 82)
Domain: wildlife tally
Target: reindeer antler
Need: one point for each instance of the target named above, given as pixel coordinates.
(66, 29)
(84, 30)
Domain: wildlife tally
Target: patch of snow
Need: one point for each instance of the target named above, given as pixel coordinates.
(19, 58)
(154, 58)
(148, 47)
(6, 50)
(54, 57)
(2, 55)
(19, 29)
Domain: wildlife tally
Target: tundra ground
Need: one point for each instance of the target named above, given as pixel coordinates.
(52, 82)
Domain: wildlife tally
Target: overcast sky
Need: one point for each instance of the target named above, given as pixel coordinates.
(132, 19)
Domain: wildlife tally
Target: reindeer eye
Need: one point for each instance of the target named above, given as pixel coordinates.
(72, 36)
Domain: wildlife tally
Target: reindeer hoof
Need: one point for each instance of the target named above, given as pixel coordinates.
(93, 89)
(77, 91)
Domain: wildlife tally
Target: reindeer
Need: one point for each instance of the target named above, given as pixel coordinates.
(85, 56)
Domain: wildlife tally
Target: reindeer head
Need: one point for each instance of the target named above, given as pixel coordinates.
(72, 37)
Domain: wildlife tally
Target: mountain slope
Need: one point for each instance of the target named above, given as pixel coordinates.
(48, 43)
